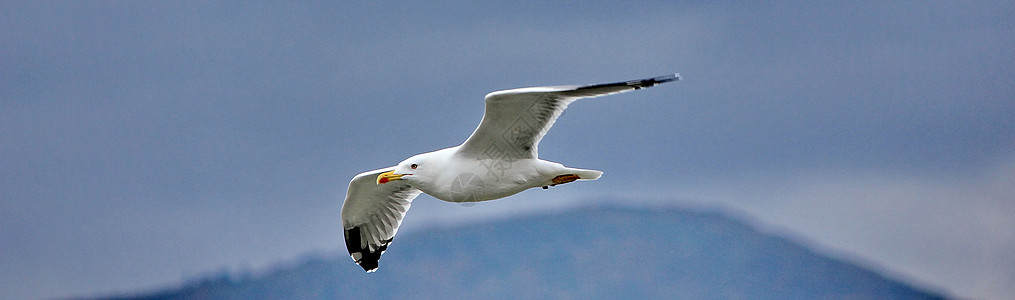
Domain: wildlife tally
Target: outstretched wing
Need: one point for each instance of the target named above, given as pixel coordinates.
(371, 215)
(515, 120)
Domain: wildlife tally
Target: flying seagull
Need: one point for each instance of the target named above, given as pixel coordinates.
(499, 159)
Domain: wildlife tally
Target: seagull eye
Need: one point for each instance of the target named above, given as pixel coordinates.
(413, 166)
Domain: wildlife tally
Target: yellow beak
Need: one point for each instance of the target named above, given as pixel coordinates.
(388, 176)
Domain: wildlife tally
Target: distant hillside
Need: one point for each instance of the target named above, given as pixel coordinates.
(590, 253)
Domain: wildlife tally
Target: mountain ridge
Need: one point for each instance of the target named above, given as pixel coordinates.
(682, 253)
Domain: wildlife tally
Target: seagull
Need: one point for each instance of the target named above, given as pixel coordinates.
(499, 159)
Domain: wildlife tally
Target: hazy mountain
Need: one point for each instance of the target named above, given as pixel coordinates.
(589, 253)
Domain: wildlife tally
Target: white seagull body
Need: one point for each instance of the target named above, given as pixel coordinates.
(499, 159)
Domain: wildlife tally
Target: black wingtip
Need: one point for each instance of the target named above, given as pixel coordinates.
(369, 265)
(362, 255)
(644, 83)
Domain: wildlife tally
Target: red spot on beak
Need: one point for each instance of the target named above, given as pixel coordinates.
(383, 180)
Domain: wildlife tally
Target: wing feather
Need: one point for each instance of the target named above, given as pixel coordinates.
(371, 215)
(516, 120)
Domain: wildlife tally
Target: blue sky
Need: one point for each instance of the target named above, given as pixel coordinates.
(144, 143)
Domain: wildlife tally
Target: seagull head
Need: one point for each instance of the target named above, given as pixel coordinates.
(406, 169)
